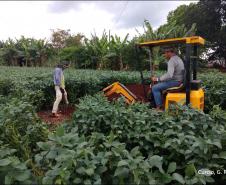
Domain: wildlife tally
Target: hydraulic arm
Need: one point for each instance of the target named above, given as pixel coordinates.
(120, 89)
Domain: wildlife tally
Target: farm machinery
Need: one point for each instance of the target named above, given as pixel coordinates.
(189, 92)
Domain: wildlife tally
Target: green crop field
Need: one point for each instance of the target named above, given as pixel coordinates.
(107, 143)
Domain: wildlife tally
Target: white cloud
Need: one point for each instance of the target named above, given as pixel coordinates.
(35, 19)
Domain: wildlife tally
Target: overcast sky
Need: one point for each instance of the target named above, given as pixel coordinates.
(35, 19)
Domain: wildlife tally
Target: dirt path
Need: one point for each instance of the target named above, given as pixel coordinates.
(66, 114)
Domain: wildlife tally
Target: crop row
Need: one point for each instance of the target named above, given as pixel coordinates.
(111, 143)
(36, 84)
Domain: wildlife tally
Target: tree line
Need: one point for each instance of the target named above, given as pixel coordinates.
(205, 18)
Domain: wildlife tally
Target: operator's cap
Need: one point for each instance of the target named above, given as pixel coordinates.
(169, 49)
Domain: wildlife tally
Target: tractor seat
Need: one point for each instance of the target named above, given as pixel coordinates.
(174, 89)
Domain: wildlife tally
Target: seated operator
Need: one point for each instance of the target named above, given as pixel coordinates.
(173, 77)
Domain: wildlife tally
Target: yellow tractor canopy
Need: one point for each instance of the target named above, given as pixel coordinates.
(185, 40)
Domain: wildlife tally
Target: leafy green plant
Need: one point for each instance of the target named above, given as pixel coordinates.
(98, 159)
(215, 91)
(13, 170)
(21, 128)
(5, 87)
(184, 136)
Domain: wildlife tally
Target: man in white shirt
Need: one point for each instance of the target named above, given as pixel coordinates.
(173, 77)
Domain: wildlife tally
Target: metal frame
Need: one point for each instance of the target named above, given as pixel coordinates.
(190, 59)
(137, 49)
(194, 62)
(188, 74)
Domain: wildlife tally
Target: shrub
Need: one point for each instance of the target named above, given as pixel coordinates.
(21, 128)
(191, 139)
(215, 90)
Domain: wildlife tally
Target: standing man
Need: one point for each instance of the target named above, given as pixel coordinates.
(58, 77)
(173, 77)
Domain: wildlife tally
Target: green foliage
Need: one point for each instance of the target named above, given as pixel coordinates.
(108, 51)
(97, 49)
(5, 87)
(99, 159)
(35, 85)
(184, 140)
(26, 52)
(94, 160)
(76, 55)
(20, 130)
(12, 170)
(20, 127)
(215, 91)
(218, 114)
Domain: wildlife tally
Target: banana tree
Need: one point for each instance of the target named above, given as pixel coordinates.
(97, 49)
(150, 34)
(43, 51)
(23, 46)
(116, 47)
(34, 52)
(9, 52)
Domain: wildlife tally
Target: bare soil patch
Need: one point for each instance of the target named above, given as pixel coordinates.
(66, 113)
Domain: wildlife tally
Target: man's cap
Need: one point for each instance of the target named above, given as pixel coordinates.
(169, 49)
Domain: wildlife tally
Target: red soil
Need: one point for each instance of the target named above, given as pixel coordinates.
(136, 89)
(66, 114)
